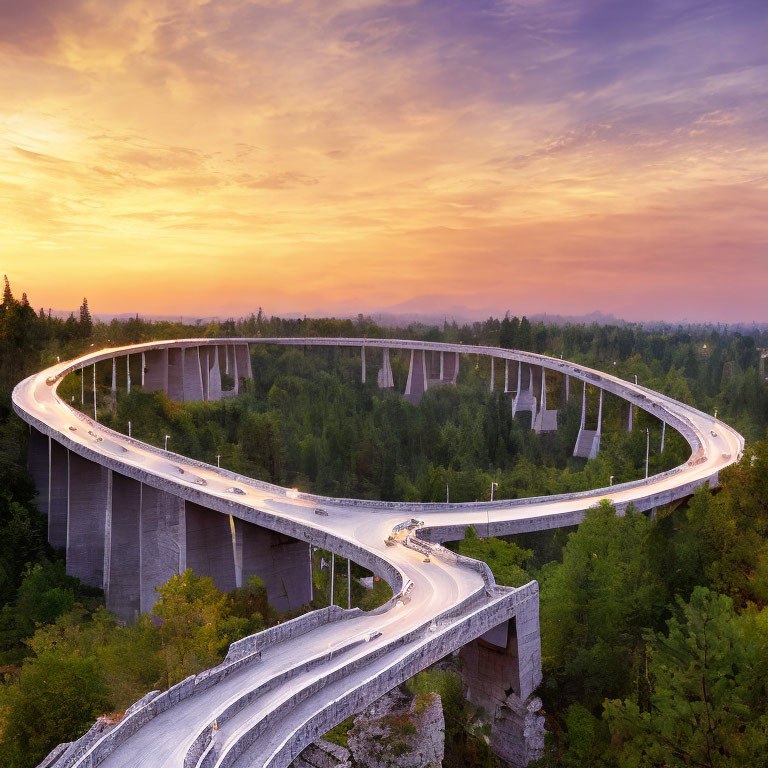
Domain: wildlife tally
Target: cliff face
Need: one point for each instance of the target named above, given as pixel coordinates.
(398, 731)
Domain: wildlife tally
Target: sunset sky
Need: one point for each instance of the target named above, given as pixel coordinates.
(180, 156)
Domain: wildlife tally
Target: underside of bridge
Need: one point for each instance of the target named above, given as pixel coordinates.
(129, 538)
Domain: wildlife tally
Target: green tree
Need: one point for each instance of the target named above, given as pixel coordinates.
(505, 559)
(707, 693)
(595, 604)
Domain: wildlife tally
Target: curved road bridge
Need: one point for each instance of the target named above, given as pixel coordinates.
(131, 515)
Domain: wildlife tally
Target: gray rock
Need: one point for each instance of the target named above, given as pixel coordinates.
(398, 731)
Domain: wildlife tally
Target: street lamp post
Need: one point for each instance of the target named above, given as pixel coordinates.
(635, 378)
(166, 442)
(218, 460)
(488, 510)
(129, 429)
(647, 449)
(610, 482)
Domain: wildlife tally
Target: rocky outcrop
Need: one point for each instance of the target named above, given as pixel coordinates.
(492, 681)
(323, 754)
(399, 731)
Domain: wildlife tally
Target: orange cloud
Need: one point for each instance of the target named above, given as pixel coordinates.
(188, 156)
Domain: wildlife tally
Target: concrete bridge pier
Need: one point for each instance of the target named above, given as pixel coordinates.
(175, 389)
(385, 378)
(524, 399)
(493, 372)
(546, 419)
(162, 542)
(88, 509)
(154, 371)
(417, 383)
(242, 357)
(501, 670)
(214, 374)
(210, 545)
(193, 376)
(58, 494)
(362, 357)
(663, 435)
(38, 464)
(280, 561)
(588, 440)
(123, 577)
(631, 415)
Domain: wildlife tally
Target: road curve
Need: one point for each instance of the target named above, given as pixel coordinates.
(268, 711)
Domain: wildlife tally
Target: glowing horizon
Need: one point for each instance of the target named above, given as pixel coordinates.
(187, 157)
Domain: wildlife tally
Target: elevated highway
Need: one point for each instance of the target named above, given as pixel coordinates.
(130, 515)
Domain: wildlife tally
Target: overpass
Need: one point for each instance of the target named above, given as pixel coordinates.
(130, 515)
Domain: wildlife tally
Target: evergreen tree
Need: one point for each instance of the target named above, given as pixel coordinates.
(7, 295)
(86, 321)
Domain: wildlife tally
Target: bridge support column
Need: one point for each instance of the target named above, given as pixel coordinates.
(501, 670)
(416, 385)
(205, 370)
(506, 375)
(123, 578)
(38, 464)
(282, 562)
(524, 399)
(211, 545)
(58, 495)
(127, 374)
(362, 356)
(214, 374)
(663, 435)
(243, 368)
(631, 415)
(385, 374)
(162, 541)
(89, 506)
(546, 419)
(175, 388)
(114, 380)
(588, 440)
(442, 366)
(193, 376)
(493, 371)
(154, 370)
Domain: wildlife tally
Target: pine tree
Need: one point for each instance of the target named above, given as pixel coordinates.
(86, 322)
(7, 294)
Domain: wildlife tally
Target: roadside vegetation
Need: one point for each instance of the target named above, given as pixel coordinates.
(654, 632)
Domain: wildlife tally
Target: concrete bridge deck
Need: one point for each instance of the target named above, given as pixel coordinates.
(439, 606)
